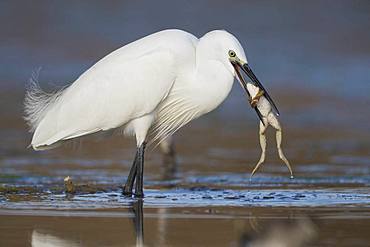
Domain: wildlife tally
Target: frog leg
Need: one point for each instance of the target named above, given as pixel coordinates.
(263, 143)
(279, 137)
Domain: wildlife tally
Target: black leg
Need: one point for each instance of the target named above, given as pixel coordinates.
(127, 189)
(140, 172)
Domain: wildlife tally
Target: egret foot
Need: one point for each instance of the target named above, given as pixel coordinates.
(139, 195)
(127, 191)
(137, 164)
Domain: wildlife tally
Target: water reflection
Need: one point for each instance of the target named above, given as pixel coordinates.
(138, 221)
(42, 238)
(289, 233)
(166, 228)
(67, 234)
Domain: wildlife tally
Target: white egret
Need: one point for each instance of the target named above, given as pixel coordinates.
(149, 88)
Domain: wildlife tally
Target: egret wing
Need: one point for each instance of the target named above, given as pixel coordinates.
(108, 95)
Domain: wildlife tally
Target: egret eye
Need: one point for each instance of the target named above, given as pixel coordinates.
(232, 53)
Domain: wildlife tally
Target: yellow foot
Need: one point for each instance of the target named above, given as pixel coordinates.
(256, 98)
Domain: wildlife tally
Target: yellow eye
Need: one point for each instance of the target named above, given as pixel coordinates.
(232, 53)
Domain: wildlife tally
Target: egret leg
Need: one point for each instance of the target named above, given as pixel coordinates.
(169, 157)
(140, 171)
(263, 144)
(279, 136)
(127, 189)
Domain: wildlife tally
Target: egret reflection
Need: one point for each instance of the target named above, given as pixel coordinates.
(138, 221)
(163, 229)
(41, 238)
(298, 232)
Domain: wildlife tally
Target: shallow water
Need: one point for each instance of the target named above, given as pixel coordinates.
(206, 199)
(211, 226)
(314, 68)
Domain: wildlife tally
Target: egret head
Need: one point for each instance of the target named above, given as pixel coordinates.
(224, 47)
(238, 65)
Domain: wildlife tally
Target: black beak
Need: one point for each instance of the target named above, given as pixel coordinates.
(244, 85)
(245, 67)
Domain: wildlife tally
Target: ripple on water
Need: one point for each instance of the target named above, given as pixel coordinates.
(198, 198)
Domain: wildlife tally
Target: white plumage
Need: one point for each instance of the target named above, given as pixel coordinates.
(150, 87)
